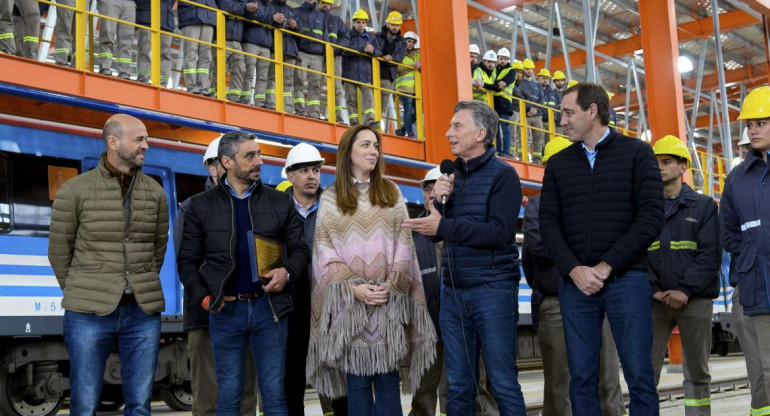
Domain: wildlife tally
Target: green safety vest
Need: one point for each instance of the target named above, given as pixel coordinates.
(481, 95)
(405, 82)
(508, 90)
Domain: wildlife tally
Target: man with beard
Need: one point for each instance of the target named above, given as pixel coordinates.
(559, 81)
(109, 229)
(216, 260)
(312, 22)
(303, 169)
(393, 47)
(196, 321)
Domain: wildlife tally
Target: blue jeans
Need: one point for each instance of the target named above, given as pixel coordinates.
(503, 144)
(89, 339)
(387, 400)
(627, 302)
(231, 329)
(488, 313)
(410, 114)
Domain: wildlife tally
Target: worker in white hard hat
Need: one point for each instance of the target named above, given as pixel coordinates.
(303, 169)
(533, 93)
(202, 373)
(475, 52)
(504, 82)
(484, 76)
(405, 83)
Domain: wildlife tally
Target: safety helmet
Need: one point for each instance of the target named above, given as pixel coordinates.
(395, 18)
(744, 137)
(283, 186)
(431, 176)
(610, 95)
(572, 83)
(528, 64)
(671, 145)
(504, 52)
(517, 66)
(212, 151)
(300, 154)
(557, 75)
(475, 49)
(544, 73)
(490, 55)
(554, 146)
(360, 14)
(328, 1)
(756, 104)
(411, 35)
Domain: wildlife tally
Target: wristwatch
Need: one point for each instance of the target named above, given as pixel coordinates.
(288, 277)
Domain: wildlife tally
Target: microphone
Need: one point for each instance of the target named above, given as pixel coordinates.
(447, 168)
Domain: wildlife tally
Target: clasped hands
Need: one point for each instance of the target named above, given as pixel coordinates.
(590, 280)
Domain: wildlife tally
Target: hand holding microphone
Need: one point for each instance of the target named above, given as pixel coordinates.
(444, 184)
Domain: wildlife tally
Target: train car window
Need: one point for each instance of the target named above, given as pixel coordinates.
(5, 193)
(188, 185)
(30, 195)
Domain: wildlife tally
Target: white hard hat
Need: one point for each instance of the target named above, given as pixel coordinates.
(490, 55)
(302, 153)
(475, 49)
(504, 52)
(432, 175)
(212, 151)
(411, 35)
(744, 137)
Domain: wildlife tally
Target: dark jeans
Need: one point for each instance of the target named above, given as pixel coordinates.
(488, 313)
(231, 330)
(503, 142)
(627, 303)
(386, 400)
(410, 114)
(89, 339)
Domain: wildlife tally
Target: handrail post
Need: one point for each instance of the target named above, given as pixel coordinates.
(420, 133)
(377, 93)
(80, 35)
(524, 133)
(155, 42)
(221, 57)
(331, 103)
(278, 49)
(551, 123)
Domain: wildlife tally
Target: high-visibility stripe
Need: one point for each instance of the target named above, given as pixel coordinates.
(328, 413)
(233, 92)
(6, 35)
(750, 224)
(654, 246)
(259, 96)
(697, 402)
(762, 411)
(369, 111)
(31, 39)
(144, 73)
(190, 71)
(318, 32)
(62, 50)
(246, 93)
(684, 245)
(125, 60)
(202, 71)
(354, 115)
(270, 91)
(299, 100)
(333, 35)
(104, 55)
(314, 102)
(287, 94)
(340, 107)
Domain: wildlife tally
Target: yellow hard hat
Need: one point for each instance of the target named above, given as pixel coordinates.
(517, 66)
(544, 73)
(671, 145)
(554, 146)
(395, 18)
(557, 75)
(528, 64)
(360, 14)
(328, 1)
(283, 186)
(756, 104)
(610, 95)
(572, 83)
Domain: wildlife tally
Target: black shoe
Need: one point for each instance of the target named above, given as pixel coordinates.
(124, 75)
(105, 71)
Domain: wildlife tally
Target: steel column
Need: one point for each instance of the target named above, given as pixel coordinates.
(548, 44)
(589, 42)
(727, 143)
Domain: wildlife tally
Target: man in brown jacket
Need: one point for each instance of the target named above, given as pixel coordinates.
(109, 229)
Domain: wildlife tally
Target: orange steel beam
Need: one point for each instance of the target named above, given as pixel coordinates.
(663, 80)
(698, 29)
(762, 6)
(41, 76)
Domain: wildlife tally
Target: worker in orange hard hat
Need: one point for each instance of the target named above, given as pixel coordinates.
(684, 274)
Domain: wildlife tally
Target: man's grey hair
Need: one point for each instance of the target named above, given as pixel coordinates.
(484, 117)
(231, 142)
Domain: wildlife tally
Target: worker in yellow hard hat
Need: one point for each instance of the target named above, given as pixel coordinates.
(684, 272)
(533, 94)
(745, 212)
(559, 81)
(393, 48)
(571, 83)
(359, 68)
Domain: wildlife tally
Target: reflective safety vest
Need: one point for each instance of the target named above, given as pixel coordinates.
(481, 94)
(405, 81)
(508, 90)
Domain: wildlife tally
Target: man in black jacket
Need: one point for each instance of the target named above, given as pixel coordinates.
(684, 274)
(217, 266)
(195, 322)
(393, 47)
(601, 208)
(543, 278)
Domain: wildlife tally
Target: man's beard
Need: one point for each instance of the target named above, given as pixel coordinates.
(130, 158)
(243, 174)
